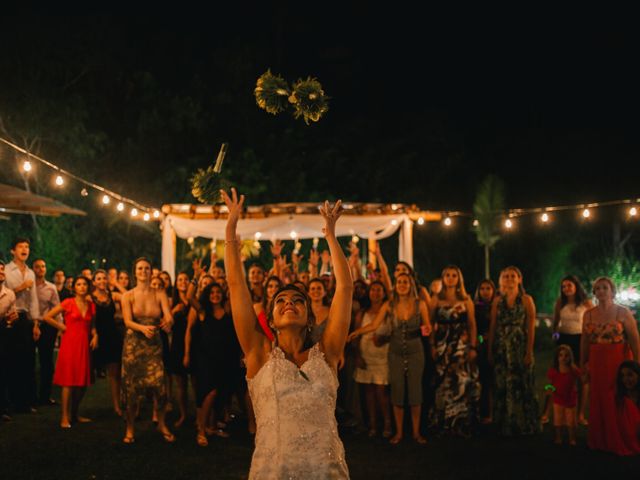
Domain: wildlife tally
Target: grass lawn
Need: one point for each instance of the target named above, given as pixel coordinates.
(33, 446)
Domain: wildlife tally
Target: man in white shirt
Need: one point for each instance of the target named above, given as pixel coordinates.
(47, 299)
(8, 315)
(26, 331)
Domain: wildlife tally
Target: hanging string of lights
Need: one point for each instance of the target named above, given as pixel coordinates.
(136, 210)
(545, 214)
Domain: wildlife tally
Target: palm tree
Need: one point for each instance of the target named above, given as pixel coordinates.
(488, 209)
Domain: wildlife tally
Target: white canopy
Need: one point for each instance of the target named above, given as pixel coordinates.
(286, 226)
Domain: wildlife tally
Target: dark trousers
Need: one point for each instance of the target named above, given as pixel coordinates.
(46, 344)
(21, 363)
(4, 359)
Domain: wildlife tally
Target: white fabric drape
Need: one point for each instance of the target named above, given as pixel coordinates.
(282, 226)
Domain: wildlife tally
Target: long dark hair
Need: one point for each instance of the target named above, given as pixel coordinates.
(556, 354)
(175, 297)
(621, 390)
(205, 302)
(367, 301)
(486, 281)
(581, 295)
(272, 278)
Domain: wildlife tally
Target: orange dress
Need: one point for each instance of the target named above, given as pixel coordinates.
(608, 348)
(73, 367)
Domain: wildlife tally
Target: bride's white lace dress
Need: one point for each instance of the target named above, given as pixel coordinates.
(297, 433)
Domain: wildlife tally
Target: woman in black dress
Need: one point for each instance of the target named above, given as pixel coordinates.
(179, 310)
(218, 357)
(483, 298)
(109, 352)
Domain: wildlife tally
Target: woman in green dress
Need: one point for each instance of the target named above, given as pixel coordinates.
(511, 337)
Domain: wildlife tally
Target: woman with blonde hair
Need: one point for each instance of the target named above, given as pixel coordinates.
(609, 337)
(511, 337)
(405, 318)
(454, 351)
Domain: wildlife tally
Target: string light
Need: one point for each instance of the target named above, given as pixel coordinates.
(420, 220)
(544, 217)
(476, 222)
(586, 213)
(293, 234)
(134, 212)
(190, 240)
(146, 217)
(447, 221)
(120, 207)
(355, 239)
(508, 223)
(633, 211)
(61, 176)
(257, 235)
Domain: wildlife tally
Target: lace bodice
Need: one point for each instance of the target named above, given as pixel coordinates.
(297, 433)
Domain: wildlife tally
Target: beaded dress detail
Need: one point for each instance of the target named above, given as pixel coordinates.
(297, 433)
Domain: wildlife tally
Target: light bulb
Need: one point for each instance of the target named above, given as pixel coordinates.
(134, 212)
(447, 221)
(146, 217)
(586, 213)
(420, 220)
(545, 217)
(26, 166)
(156, 214)
(59, 180)
(120, 207)
(105, 199)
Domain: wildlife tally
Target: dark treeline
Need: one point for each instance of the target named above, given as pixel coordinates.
(138, 105)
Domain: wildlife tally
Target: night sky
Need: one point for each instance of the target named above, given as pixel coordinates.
(548, 104)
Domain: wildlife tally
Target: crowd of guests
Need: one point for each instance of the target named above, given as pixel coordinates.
(455, 362)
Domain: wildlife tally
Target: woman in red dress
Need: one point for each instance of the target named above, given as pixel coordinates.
(609, 337)
(73, 368)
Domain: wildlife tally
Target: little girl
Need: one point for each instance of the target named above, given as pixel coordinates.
(564, 376)
(628, 407)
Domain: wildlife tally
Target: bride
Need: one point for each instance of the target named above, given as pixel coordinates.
(293, 388)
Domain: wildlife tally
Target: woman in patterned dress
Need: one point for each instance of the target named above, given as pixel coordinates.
(511, 337)
(609, 337)
(454, 351)
(146, 311)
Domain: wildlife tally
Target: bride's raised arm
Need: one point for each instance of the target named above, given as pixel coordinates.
(335, 335)
(251, 339)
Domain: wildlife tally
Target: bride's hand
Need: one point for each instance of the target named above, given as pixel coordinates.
(233, 204)
(331, 216)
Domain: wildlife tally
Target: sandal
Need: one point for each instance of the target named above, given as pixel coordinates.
(128, 439)
(419, 439)
(201, 440)
(395, 440)
(168, 436)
